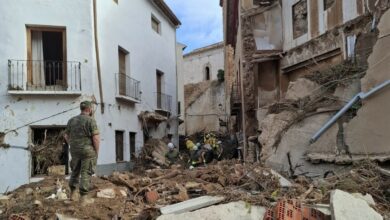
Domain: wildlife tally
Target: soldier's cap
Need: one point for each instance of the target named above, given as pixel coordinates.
(86, 104)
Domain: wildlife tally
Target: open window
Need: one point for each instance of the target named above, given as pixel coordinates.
(328, 4)
(159, 78)
(207, 73)
(46, 58)
(123, 68)
(300, 19)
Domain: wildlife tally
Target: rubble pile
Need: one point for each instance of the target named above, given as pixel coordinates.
(149, 193)
(48, 152)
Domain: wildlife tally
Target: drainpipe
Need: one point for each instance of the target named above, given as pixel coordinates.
(359, 96)
(98, 57)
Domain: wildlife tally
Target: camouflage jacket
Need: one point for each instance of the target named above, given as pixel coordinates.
(80, 130)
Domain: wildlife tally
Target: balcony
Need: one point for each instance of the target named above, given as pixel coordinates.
(164, 102)
(127, 88)
(44, 77)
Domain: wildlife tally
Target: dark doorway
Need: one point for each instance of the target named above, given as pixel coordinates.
(119, 137)
(132, 136)
(207, 73)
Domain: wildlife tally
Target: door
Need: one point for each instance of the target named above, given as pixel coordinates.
(132, 136)
(159, 76)
(119, 145)
(122, 71)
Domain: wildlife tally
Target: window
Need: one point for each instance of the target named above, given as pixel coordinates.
(46, 55)
(159, 77)
(300, 20)
(119, 145)
(48, 150)
(207, 73)
(132, 136)
(179, 108)
(351, 43)
(122, 57)
(156, 25)
(328, 4)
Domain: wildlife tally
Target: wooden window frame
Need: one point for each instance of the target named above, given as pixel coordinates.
(46, 28)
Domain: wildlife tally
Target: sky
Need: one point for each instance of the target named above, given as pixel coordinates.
(201, 22)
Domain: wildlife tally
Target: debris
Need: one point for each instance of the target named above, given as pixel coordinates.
(294, 209)
(58, 170)
(63, 217)
(283, 181)
(151, 197)
(301, 88)
(230, 211)
(191, 205)
(4, 197)
(192, 185)
(345, 206)
(368, 198)
(28, 191)
(154, 151)
(106, 193)
(37, 203)
(18, 217)
(324, 208)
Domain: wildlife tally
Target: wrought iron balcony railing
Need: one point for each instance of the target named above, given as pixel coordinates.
(127, 86)
(164, 102)
(44, 75)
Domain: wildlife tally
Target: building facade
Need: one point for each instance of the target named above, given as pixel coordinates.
(59, 53)
(270, 44)
(202, 89)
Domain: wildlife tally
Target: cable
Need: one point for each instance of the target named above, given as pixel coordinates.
(39, 120)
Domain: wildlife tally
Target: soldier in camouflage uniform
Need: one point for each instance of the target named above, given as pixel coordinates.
(82, 134)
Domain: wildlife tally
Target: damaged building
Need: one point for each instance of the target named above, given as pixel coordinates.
(292, 65)
(202, 89)
(56, 54)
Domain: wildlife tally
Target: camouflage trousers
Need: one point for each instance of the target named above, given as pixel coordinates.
(83, 167)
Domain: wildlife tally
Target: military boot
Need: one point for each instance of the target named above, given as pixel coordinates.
(74, 195)
(85, 200)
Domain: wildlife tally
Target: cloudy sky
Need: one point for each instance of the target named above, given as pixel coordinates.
(201, 22)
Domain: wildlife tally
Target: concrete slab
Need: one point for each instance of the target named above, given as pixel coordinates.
(368, 198)
(345, 206)
(64, 217)
(296, 142)
(282, 181)
(301, 88)
(231, 211)
(191, 205)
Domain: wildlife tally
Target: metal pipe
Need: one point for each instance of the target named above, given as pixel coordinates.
(359, 96)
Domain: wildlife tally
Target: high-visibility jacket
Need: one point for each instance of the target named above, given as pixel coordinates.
(190, 145)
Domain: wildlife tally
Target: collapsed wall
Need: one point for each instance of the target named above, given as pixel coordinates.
(205, 107)
(318, 93)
